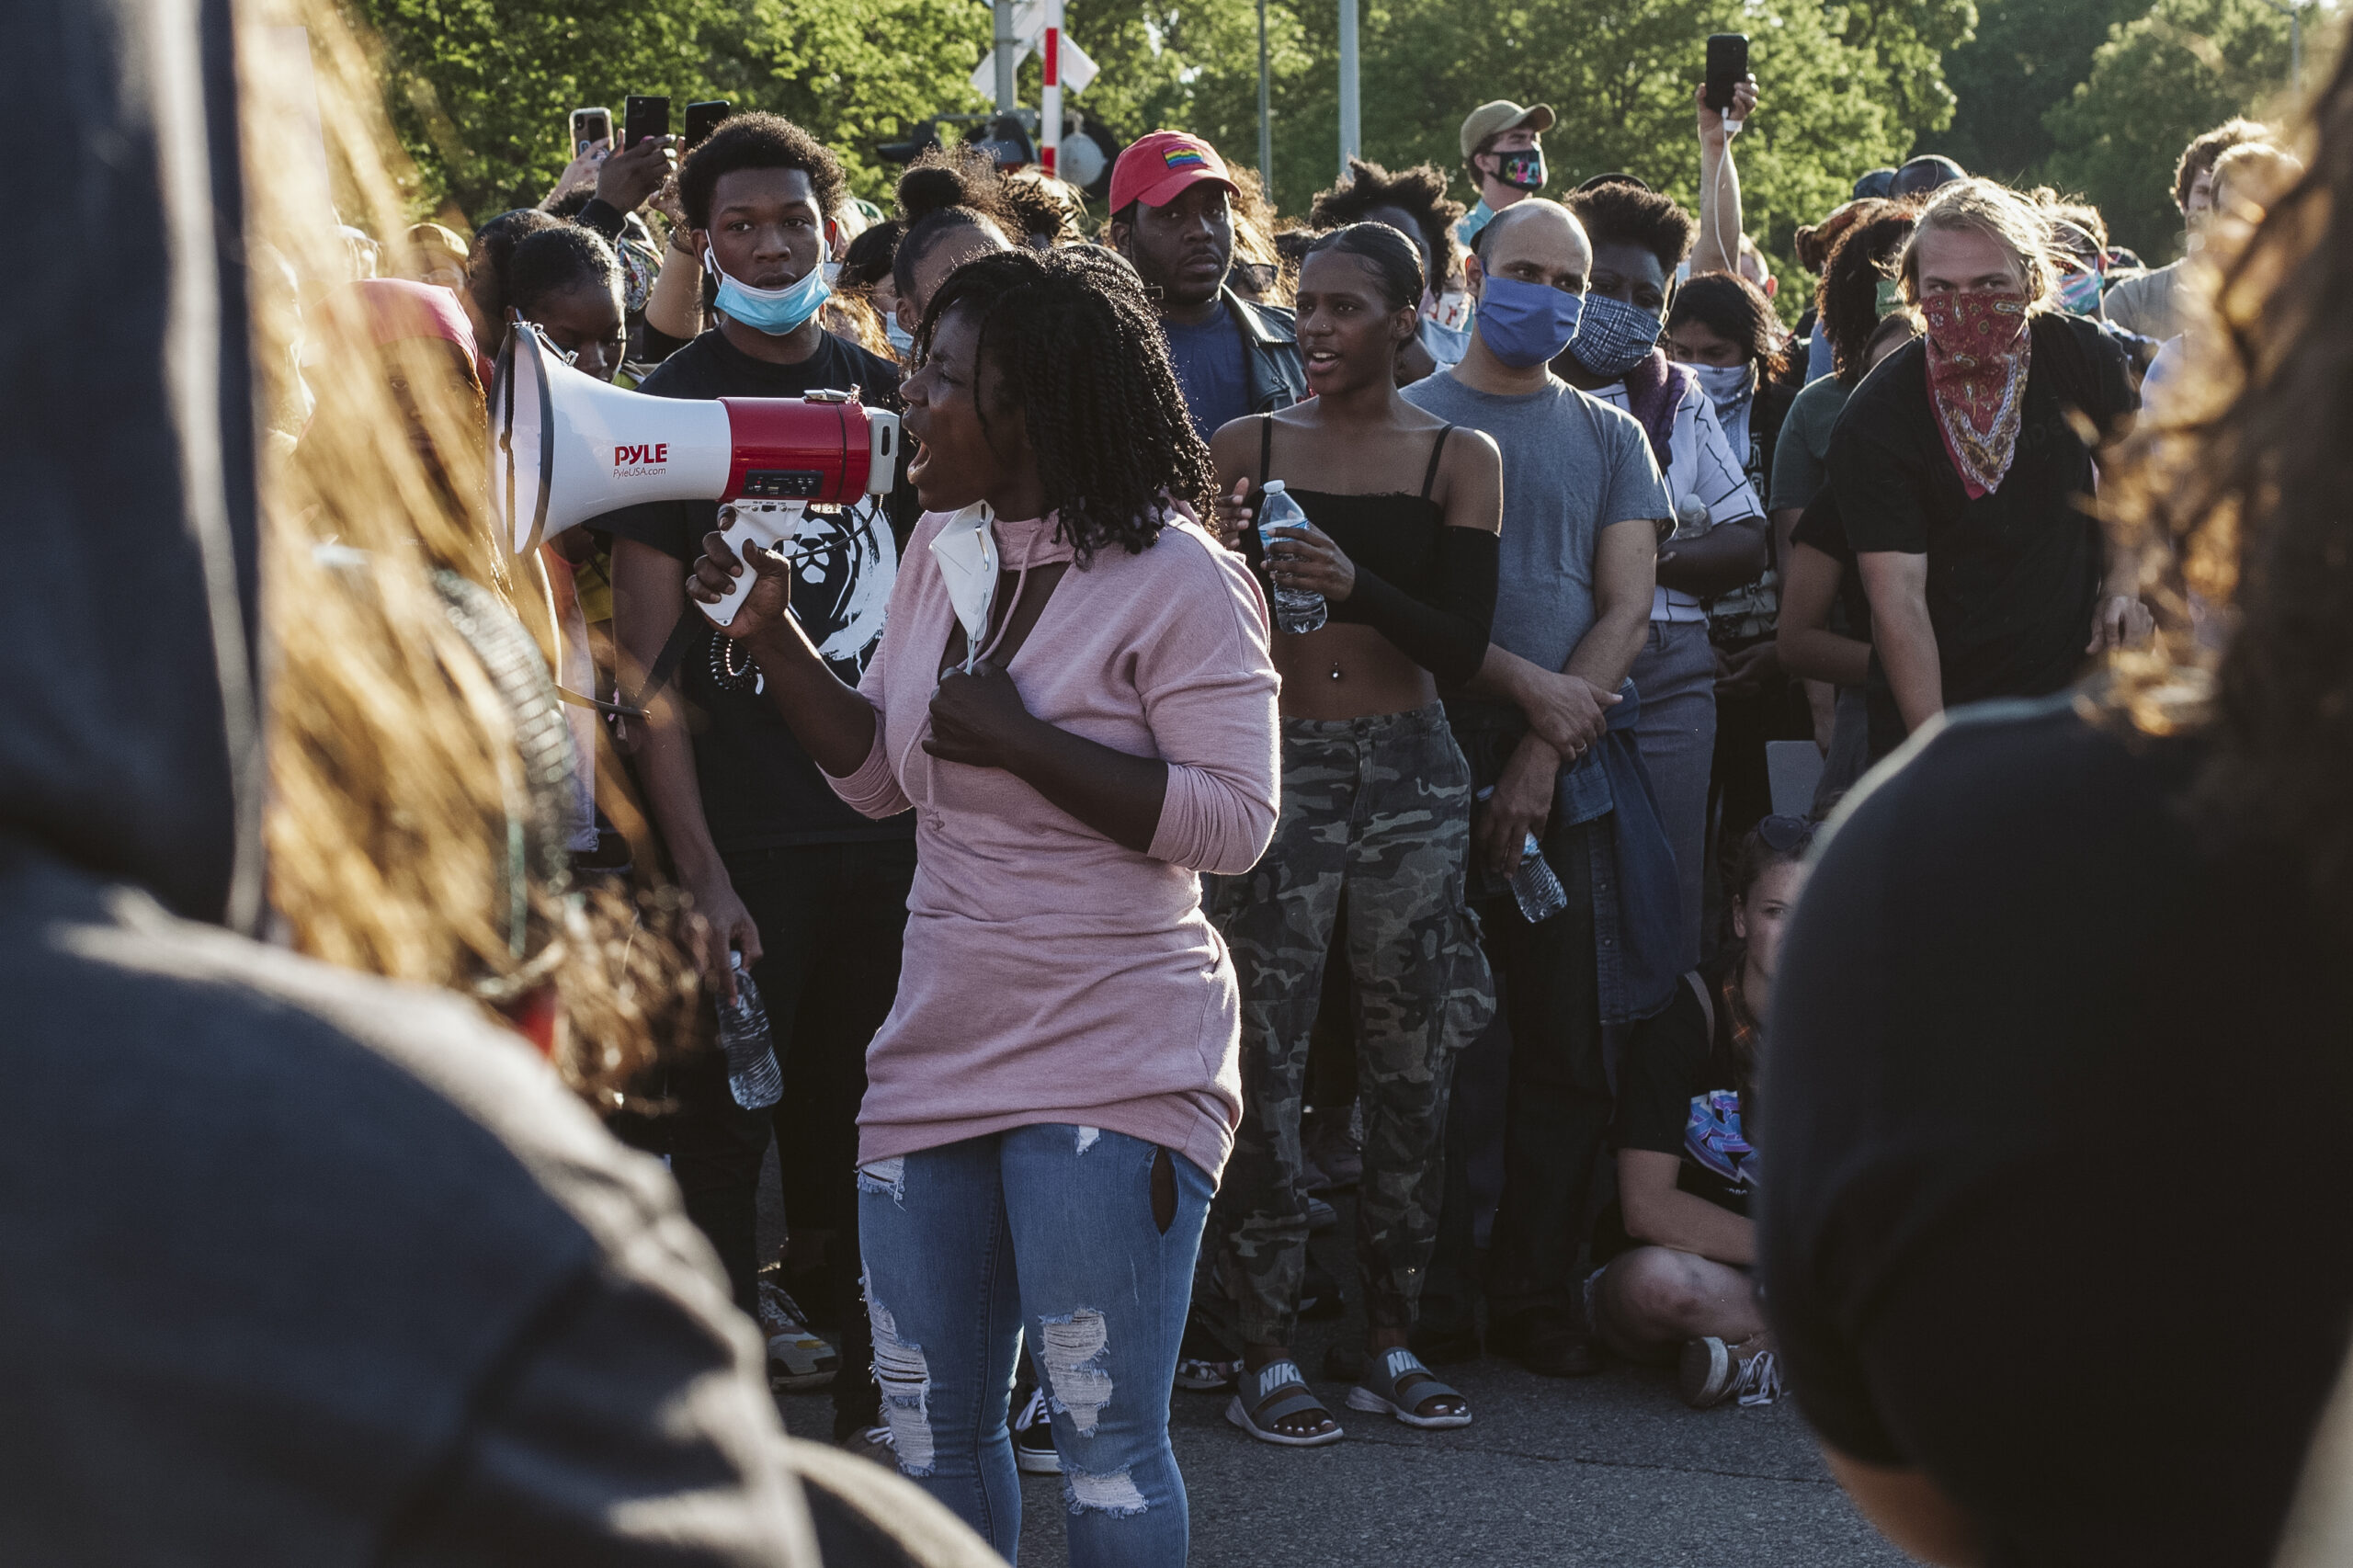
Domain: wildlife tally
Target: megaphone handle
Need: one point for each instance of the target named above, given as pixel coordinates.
(752, 526)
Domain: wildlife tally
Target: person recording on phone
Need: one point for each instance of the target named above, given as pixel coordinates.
(1074, 707)
(809, 894)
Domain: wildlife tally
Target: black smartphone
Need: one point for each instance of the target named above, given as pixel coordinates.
(642, 117)
(703, 118)
(1727, 64)
(590, 126)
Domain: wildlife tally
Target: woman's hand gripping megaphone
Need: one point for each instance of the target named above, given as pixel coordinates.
(766, 606)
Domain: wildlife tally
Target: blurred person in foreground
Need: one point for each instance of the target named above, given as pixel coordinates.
(423, 1308)
(2040, 1237)
(1172, 218)
(2151, 303)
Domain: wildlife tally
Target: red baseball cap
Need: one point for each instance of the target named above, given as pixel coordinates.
(1156, 169)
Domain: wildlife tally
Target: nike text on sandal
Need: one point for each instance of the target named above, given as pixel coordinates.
(1396, 1383)
(1279, 1391)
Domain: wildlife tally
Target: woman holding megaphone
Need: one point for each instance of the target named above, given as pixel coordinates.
(1074, 696)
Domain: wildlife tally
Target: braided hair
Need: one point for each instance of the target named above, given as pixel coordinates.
(1077, 348)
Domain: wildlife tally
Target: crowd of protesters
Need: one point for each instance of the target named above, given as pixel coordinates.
(1128, 873)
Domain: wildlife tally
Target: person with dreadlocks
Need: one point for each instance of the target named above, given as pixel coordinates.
(1074, 700)
(1414, 203)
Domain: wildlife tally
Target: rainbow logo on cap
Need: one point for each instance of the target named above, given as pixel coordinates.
(1184, 158)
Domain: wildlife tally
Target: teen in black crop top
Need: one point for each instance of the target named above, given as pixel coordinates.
(1426, 586)
(1402, 513)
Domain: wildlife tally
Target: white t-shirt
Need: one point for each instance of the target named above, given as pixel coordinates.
(1699, 463)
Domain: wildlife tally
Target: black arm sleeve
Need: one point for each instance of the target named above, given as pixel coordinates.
(603, 217)
(1445, 629)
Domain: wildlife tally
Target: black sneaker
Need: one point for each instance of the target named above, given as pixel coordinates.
(1548, 1345)
(1033, 1438)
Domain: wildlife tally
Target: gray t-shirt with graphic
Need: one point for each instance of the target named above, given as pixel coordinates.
(1572, 467)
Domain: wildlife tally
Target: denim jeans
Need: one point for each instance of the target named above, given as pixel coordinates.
(1080, 1239)
(1676, 674)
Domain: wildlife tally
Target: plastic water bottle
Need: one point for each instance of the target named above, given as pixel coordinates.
(751, 1075)
(1296, 609)
(1533, 886)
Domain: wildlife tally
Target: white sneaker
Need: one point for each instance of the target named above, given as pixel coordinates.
(1712, 1371)
(798, 1358)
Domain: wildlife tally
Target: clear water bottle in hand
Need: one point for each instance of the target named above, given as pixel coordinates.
(1296, 609)
(1533, 886)
(751, 1075)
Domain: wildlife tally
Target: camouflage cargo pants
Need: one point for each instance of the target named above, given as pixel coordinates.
(1379, 807)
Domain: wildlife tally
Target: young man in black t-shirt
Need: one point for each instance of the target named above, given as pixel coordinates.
(812, 895)
(1962, 480)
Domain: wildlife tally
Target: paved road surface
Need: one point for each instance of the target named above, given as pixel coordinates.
(1599, 1473)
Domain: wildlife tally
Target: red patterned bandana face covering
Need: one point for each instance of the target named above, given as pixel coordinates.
(1978, 346)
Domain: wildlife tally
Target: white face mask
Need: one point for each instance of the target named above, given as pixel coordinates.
(966, 550)
(1726, 385)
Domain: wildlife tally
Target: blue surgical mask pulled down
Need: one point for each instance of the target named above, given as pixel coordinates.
(1613, 336)
(773, 311)
(1525, 324)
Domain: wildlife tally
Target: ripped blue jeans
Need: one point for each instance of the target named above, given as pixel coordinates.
(1084, 1241)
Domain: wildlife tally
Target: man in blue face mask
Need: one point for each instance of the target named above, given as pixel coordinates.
(1544, 725)
(812, 895)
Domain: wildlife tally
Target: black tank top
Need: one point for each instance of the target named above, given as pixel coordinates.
(1393, 535)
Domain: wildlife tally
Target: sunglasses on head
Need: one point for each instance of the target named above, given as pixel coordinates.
(1786, 834)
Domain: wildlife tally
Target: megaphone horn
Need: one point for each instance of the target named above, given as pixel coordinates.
(567, 447)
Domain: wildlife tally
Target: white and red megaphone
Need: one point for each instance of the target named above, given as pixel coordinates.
(565, 447)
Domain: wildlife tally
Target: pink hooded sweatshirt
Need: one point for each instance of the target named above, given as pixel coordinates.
(1049, 974)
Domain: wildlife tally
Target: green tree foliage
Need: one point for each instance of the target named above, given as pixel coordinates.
(2155, 84)
(2026, 57)
(480, 89)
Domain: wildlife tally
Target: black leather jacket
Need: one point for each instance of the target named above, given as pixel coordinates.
(1272, 370)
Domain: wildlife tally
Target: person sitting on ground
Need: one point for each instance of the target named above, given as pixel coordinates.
(2151, 303)
(1677, 1252)
(1415, 203)
(1377, 809)
(952, 202)
(1172, 218)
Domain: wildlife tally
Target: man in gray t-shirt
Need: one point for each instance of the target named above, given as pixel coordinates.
(1581, 508)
